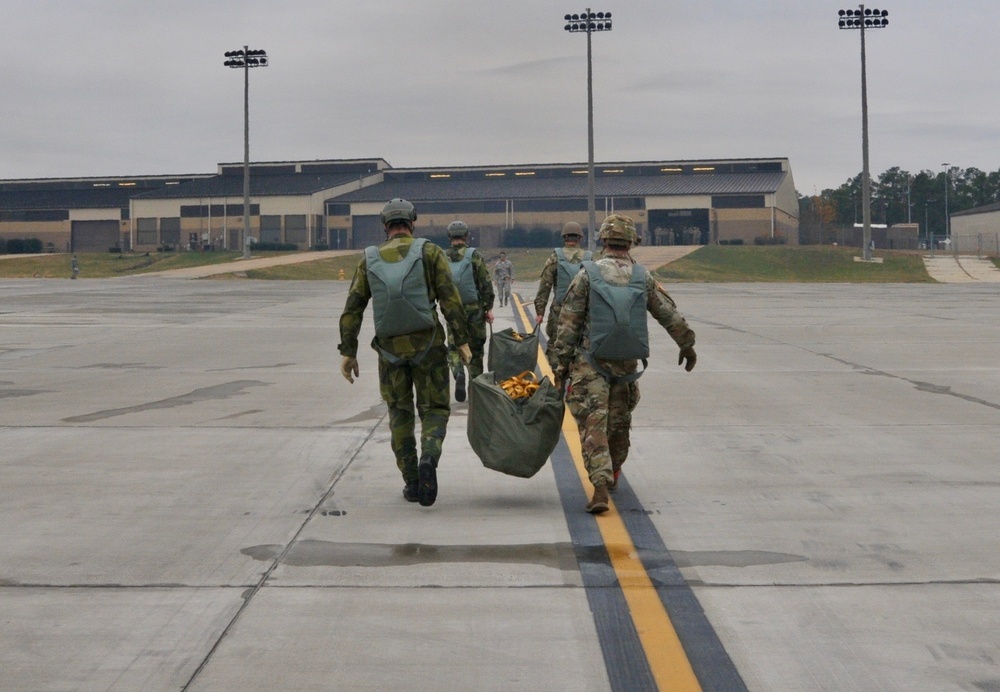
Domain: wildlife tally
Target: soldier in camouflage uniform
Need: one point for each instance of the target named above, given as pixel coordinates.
(571, 254)
(412, 362)
(603, 393)
(478, 303)
(503, 274)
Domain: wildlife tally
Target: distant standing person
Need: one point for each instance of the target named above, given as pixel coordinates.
(406, 277)
(600, 337)
(559, 270)
(472, 278)
(75, 266)
(503, 274)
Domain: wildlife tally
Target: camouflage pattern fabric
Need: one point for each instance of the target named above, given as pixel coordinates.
(546, 286)
(441, 289)
(503, 274)
(603, 414)
(475, 314)
(603, 411)
(428, 379)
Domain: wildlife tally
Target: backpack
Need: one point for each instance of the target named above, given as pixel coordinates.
(464, 276)
(565, 271)
(399, 292)
(618, 329)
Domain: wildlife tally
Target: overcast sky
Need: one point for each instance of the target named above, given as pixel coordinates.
(134, 87)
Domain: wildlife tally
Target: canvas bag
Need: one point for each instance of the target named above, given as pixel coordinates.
(508, 356)
(515, 437)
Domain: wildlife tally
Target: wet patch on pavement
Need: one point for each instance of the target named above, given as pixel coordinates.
(313, 553)
(216, 392)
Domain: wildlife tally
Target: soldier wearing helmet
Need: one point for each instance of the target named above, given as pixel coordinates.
(405, 278)
(472, 278)
(600, 338)
(560, 268)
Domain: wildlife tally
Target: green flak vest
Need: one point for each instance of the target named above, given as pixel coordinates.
(618, 329)
(565, 271)
(464, 277)
(399, 292)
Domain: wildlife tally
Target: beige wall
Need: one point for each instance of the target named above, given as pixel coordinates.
(970, 230)
(55, 232)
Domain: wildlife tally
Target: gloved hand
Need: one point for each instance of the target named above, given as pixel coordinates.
(465, 353)
(687, 354)
(539, 318)
(349, 365)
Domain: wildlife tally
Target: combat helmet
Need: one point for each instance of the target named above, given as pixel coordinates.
(458, 229)
(618, 228)
(397, 209)
(572, 229)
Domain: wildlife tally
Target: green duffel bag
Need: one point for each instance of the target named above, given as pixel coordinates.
(510, 355)
(511, 436)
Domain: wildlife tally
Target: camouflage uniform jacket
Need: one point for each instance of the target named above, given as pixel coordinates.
(550, 271)
(440, 289)
(503, 269)
(572, 332)
(484, 287)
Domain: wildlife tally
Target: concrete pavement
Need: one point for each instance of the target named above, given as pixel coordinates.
(193, 498)
(959, 269)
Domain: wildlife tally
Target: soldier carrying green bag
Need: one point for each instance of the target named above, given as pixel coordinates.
(406, 277)
(600, 337)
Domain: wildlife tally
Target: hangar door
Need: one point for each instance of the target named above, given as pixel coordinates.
(94, 236)
(678, 227)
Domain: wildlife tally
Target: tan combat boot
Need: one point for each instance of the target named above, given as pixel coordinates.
(599, 503)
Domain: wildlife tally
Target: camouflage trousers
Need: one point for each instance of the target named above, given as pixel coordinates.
(603, 413)
(551, 325)
(503, 290)
(477, 344)
(398, 384)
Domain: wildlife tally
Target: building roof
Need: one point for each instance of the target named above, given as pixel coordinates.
(443, 189)
(260, 186)
(83, 198)
(985, 209)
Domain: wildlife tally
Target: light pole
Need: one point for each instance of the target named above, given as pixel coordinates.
(589, 22)
(947, 220)
(864, 19)
(245, 59)
(927, 226)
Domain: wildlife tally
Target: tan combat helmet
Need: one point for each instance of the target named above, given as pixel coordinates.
(572, 229)
(618, 228)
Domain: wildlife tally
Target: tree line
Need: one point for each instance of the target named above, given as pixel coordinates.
(898, 196)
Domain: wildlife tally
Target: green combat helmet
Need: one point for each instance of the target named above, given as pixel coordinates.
(572, 229)
(458, 229)
(618, 228)
(397, 209)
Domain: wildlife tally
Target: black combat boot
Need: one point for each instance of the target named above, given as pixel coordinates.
(410, 492)
(460, 385)
(427, 486)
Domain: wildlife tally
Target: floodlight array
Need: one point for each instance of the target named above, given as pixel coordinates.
(247, 58)
(588, 21)
(864, 18)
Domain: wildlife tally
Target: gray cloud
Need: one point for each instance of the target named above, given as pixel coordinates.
(116, 87)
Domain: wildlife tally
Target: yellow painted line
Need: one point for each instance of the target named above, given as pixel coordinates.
(667, 661)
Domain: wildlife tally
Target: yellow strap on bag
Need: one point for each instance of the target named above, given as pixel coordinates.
(520, 386)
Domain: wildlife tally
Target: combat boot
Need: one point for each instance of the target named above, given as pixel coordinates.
(599, 503)
(427, 487)
(460, 385)
(613, 485)
(410, 492)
